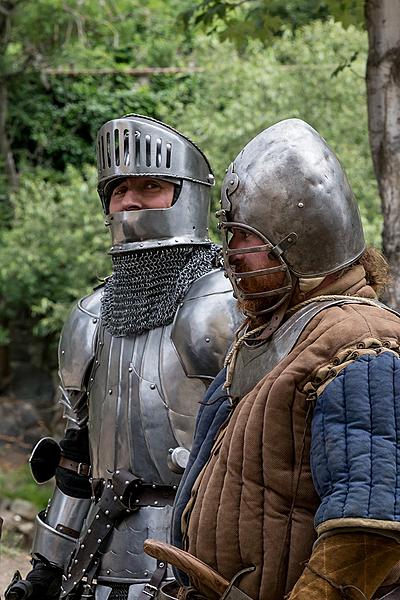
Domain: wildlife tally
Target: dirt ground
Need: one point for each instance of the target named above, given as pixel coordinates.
(10, 561)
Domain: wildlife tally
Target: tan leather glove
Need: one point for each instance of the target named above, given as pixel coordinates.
(347, 565)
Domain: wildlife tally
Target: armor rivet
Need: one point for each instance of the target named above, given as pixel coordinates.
(152, 386)
(99, 541)
(191, 241)
(174, 487)
(107, 512)
(83, 570)
(146, 573)
(300, 204)
(75, 582)
(108, 572)
(137, 500)
(155, 502)
(289, 240)
(207, 340)
(231, 182)
(91, 555)
(97, 362)
(126, 482)
(154, 486)
(130, 369)
(94, 320)
(108, 525)
(141, 245)
(120, 497)
(92, 379)
(170, 451)
(161, 564)
(62, 351)
(110, 392)
(117, 472)
(108, 485)
(69, 576)
(115, 498)
(76, 561)
(159, 243)
(82, 545)
(176, 241)
(181, 304)
(97, 517)
(89, 531)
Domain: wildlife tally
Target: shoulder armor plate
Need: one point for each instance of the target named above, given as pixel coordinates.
(78, 341)
(205, 324)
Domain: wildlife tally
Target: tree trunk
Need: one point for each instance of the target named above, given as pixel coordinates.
(383, 92)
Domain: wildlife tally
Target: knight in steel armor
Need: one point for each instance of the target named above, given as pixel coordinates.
(292, 487)
(135, 358)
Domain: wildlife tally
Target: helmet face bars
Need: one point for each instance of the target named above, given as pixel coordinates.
(288, 188)
(137, 146)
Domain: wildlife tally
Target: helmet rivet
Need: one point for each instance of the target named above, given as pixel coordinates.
(300, 204)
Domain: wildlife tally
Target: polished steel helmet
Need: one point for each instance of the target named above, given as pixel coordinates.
(288, 187)
(134, 146)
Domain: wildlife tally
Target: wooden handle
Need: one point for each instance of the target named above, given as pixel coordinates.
(201, 575)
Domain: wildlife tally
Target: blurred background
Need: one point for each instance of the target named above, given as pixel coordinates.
(218, 71)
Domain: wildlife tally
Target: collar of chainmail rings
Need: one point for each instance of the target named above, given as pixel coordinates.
(147, 286)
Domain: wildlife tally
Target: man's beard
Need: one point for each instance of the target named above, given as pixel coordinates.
(263, 283)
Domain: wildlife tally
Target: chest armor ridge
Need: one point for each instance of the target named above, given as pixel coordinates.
(141, 405)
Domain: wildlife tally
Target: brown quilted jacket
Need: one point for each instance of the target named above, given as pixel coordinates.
(255, 501)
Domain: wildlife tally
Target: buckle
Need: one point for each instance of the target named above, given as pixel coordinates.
(83, 469)
(150, 590)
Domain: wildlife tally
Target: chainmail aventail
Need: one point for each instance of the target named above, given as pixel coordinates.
(147, 286)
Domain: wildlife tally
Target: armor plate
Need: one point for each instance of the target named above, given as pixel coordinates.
(142, 397)
(254, 362)
(78, 341)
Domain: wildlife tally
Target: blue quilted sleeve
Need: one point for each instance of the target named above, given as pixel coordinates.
(355, 451)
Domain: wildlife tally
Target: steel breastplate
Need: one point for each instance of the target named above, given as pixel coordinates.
(141, 405)
(255, 361)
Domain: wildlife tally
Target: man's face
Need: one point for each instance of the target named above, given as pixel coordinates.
(137, 193)
(254, 261)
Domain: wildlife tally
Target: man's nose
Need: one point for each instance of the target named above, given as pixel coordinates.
(132, 200)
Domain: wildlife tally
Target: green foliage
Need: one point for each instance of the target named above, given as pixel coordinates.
(243, 21)
(239, 95)
(19, 484)
(56, 250)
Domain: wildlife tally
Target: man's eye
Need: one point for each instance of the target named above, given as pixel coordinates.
(119, 191)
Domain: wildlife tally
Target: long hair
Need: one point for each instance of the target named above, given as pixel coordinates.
(377, 271)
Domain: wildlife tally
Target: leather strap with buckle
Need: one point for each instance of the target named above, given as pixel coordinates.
(73, 465)
(151, 588)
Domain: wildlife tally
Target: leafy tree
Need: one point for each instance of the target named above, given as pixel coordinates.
(56, 250)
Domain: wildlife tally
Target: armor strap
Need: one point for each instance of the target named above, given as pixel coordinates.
(114, 502)
(73, 465)
(151, 588)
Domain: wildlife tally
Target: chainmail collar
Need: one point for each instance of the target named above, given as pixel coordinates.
(147, 286)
